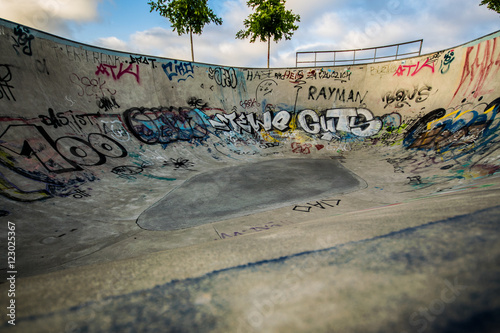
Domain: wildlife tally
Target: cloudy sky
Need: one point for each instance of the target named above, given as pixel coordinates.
(128, 25)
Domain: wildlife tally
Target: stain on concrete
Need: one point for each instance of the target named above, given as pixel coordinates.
(246, 189)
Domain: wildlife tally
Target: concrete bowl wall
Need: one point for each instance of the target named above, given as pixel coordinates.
(90, 135)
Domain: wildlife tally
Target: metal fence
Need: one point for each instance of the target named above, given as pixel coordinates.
(361, 56)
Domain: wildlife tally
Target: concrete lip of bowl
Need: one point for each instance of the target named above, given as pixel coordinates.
(247, 189)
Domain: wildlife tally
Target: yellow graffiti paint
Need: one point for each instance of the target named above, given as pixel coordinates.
(456, 115)
(8, 190)
(431, 124)
(266, 137)
(490, 109)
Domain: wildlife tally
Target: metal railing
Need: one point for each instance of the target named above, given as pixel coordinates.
(326, 56)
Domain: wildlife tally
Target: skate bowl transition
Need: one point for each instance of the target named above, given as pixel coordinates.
(145, 194)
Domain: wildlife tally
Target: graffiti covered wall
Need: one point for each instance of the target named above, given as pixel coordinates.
(72, 114)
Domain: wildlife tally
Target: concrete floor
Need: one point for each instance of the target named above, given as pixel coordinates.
(416, 279)
(424, 258)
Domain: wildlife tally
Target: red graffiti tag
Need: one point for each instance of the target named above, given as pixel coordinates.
(476, 71)
(417, 68)
(301, 149)
(109, 70)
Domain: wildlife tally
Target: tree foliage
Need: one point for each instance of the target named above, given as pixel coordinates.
(270, 19)
(492, 4)
(186, 16)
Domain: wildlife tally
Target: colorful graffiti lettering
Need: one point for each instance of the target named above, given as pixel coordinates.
(359, 122)
(443, 132)
(182, 70)
(481, 65)
(236, 112)
(402, 69)
(166, 125)
(109, 70)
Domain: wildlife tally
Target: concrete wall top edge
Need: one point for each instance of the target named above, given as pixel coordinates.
(58, 39)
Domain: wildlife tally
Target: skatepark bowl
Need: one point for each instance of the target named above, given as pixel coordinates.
(144, 194)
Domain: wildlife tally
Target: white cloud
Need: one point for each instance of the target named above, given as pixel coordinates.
(49, 15)
(325, 25)
(240, 53)
(328, 28)
(208, 48)
(112, 43)
(235, 12)
(77, 10)
(310, 11)
(160, 40)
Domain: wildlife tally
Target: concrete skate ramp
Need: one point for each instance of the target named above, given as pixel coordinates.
(246, 189)
(356, 198)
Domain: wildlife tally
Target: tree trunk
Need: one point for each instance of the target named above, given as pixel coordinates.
(192, 50)
(268, 49)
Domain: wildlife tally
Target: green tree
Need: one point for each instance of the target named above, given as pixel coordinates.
(186, 16)
(492, 4)
(270, 20)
